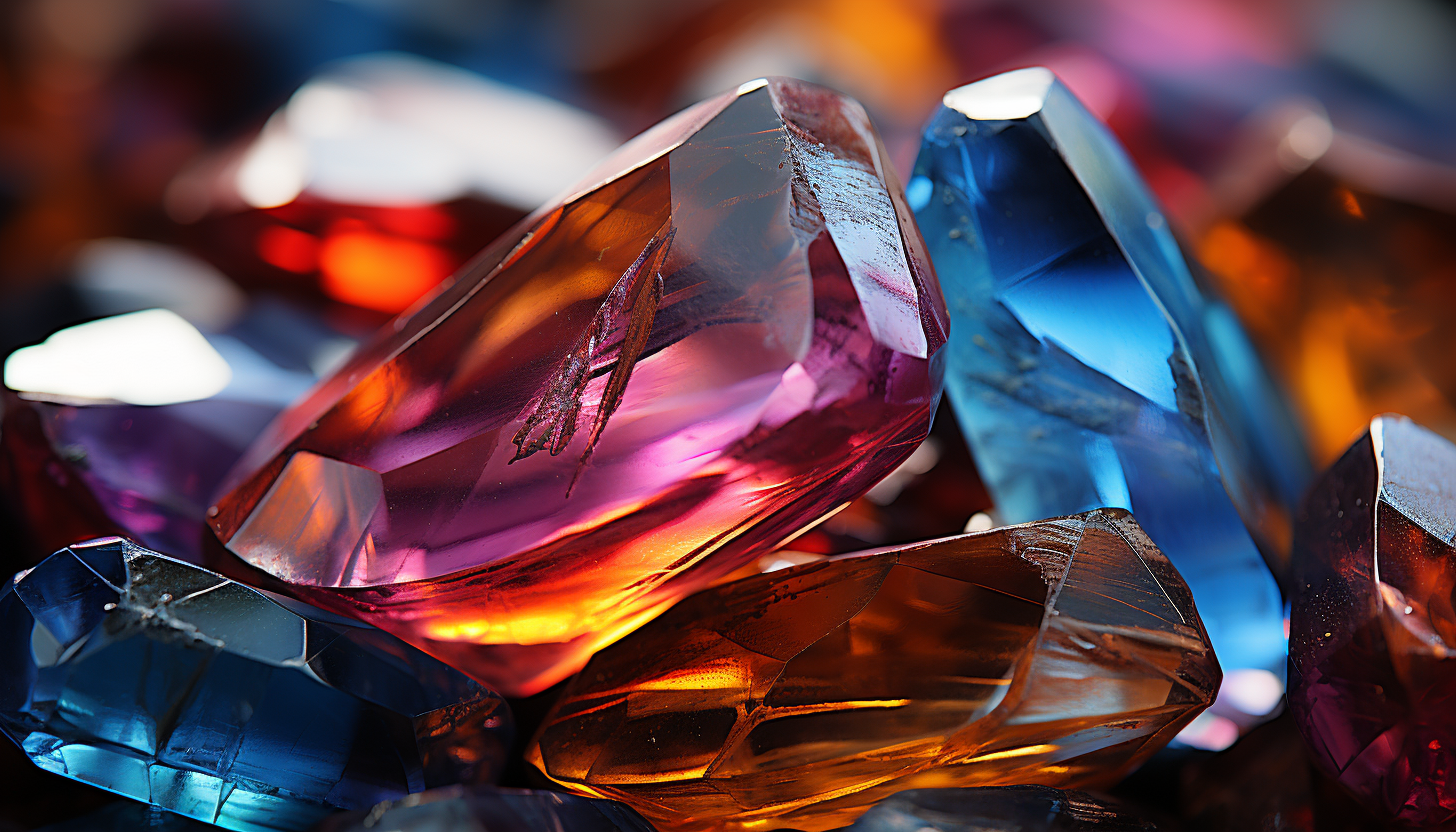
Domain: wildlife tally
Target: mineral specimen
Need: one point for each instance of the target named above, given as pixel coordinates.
(726, 332)
(169, 684)
(126, 816)
(485, 809)
(1085, 366)
(1372, 678)
(1018, 808)
(1060, 653)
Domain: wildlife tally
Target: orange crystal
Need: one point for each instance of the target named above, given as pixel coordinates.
(1060, 653)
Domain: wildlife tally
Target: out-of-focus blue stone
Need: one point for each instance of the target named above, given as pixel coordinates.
(1020, 808)
(1087, 368)
(493, 810)
(125, 816)
(172, 685)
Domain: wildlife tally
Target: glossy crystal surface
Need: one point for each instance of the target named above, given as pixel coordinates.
(1061, 653)
(1085, 366)
(1372, 679)
(1018, 808)
(728, 331)
(484, 809)
(169, 684)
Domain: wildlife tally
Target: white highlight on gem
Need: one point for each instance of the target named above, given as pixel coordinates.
(920, 461)
(1010, 95)
(1255, 692)
(1210, 732)
(149, 357)
(1306, 140)
(980, 522)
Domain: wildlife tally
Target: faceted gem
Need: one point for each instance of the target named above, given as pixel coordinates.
(495, 810)
(1061, 653)
(1085, 366)
(724, 334)
(169, 684)
(1019, 808)
(1372, 681)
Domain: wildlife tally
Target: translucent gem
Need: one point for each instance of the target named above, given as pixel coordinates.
(1019, 808)
(127, 816)
(169, 684)
(1372, 680)
(496, 810)
(724, 333)
(1061, 653)
(1086, 367)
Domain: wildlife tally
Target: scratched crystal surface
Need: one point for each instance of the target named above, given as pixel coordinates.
(1010, 808)
(726, 332)
(1060, 653)
(169, 684)
(1085, 366)
(486, 809)
(1372, 679)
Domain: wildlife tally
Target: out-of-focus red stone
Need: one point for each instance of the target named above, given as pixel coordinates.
(728, 330)
(1373, 679)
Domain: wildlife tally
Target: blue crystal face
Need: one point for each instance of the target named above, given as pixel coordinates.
(1086, 367)
(172, 685)
(495, 810)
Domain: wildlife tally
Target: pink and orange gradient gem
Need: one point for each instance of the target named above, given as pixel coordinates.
(727, 331)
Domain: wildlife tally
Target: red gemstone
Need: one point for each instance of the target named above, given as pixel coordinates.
(724, 333)
(1373, 678)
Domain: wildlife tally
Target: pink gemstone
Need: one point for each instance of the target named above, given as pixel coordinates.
(727, 331)
(1372, 670)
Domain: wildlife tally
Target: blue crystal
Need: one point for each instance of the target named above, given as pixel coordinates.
(172, 685)
(1021, 808)
(126, 816)
(496, 810)
(1086, 367)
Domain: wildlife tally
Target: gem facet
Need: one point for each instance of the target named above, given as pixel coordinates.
(1061, 653)
(1019, 808)
(169, 684)
(1085, 366)
(1372, 680)
(727, 332)
(496, 810)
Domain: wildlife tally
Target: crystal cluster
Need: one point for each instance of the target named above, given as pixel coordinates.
(1085, 366)
(1062, 653)
(170, 684)
(1020, 808)
(491, 810)
(727, 331)
(1371, 672)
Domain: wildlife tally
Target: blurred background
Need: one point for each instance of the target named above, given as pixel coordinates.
(273, 179)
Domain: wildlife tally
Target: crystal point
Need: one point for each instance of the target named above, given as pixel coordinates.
(1086, 367)
(1019, 808)
(172, 685)
(1371, 672)
(1061, 653)
(492, 809)
(726, 332)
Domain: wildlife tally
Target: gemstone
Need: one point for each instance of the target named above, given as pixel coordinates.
(496, 810)
(169, 684)
(724, 334)
(151, 471)
(1371, 677)
(128, 816)
(1019, 808)
(1085, 366)
(1061, 653)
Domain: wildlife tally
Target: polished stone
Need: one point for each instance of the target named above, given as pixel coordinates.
(169, 684)
(485, 809)
(1372, 678)
(1060, 653)
(1009, 808)
(723, 334)
(1086, 367)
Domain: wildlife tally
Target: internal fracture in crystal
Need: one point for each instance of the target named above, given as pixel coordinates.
(169, 684)
(1061, 653)
(1372, 679)
(1086, 367)
(485, 809)
(726, 332)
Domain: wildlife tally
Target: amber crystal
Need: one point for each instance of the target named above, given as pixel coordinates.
(1058, 653)
(725, 333)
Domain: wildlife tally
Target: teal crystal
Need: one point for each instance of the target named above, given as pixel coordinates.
(1086, 366)
(172, 685)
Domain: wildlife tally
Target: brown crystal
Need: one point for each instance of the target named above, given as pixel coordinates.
(1059, 653)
